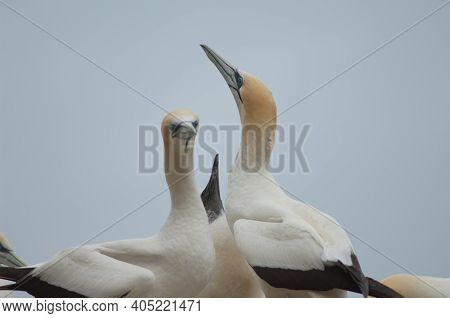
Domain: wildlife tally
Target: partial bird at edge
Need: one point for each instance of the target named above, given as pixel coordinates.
(412, 286)
(7, 255)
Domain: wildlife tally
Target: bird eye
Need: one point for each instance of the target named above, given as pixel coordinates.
(239, 80)
(195, 124)
(172, 126)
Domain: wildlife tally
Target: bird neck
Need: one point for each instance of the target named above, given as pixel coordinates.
(256, 146)
(180, 177)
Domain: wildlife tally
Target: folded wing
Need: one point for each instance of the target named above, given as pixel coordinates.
(83, 272)
(290, 254)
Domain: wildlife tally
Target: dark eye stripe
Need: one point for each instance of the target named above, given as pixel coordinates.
(174, 127)
(237, 91)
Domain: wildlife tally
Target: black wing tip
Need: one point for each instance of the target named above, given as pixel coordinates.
(14, 273)
(358, 276)
(338, 276)
(379, 290)
(7, 287)
(23, 281)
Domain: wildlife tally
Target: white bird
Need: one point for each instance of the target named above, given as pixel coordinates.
(176, 262)
(411, 286)
(8, 258)
(233, 277)
(290, 245)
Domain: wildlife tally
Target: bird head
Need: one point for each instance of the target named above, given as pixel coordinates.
(7, 255)
(254, 100)
(4, 244)
(179, 129)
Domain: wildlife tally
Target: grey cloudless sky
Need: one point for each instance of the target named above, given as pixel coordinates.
(379, 147)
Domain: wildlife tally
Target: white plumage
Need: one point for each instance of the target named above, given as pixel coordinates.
(272, 230)
(271, 236)
(232, 276)
(289, 244)
(176, 262)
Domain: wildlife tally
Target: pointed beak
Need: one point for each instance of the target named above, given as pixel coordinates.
(211, 194)
(227, 70)
(9, 258)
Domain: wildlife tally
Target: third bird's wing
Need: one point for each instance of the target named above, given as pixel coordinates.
(88, 272)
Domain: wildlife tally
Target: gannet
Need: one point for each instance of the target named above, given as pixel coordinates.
(290, 245)
(233, 277)
(176, 262)
(7, 255)
(8, 258)
(411, 286)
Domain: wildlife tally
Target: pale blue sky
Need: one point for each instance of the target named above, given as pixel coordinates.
(379, 146)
